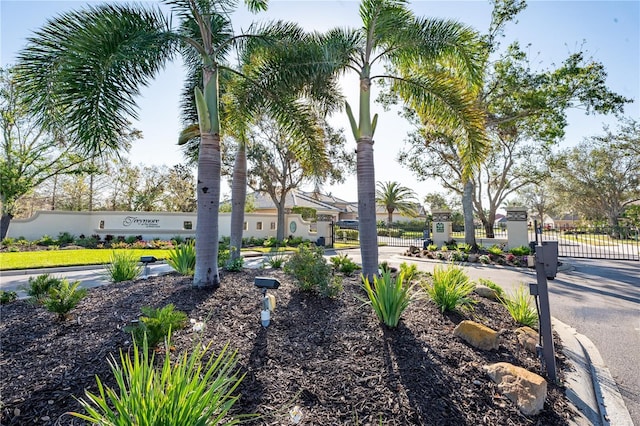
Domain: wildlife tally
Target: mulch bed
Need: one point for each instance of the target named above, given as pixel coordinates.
(331, 357)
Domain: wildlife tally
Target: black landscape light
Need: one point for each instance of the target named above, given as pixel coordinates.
(147, 260)
(268, 300)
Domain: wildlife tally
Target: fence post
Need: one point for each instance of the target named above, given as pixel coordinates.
(517, 230)
(441, 225)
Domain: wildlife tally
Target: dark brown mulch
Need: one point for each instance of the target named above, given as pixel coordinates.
(330, 357)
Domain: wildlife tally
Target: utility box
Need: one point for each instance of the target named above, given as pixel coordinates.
(550, 258)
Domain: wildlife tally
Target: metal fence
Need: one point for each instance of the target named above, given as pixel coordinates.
(594, 242)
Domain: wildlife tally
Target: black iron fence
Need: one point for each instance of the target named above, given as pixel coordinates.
(595, 242)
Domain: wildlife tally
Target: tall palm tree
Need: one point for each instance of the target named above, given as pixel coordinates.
(393, 196)
(84, 69)
(433, 65)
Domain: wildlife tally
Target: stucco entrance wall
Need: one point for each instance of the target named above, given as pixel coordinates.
(151, 225)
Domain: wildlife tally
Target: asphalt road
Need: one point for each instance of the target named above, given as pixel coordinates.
(599, 298)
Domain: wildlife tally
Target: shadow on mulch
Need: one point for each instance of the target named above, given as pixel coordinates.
(330, 357)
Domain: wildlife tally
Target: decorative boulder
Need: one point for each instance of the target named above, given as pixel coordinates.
(477, 335)
(486, 292)
(525, 389)
(528, 338)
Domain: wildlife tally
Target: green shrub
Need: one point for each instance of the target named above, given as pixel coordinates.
(519, 307)
(124, 266)
(520, 251)
(458, 256)
(409, 271)
(272, 242)
(388, 297)
(197, 389)
(156, 324)
(466, 248)
(90, 242)
(432, 247)
(495, 287)
(7, 297)
(64, 298)
(40, 286)
(46, 241)
(235, 265)
(177, 240)
(65, 238)
(310, 269)
(347, 234)
(484, 259)
(495, 249)
(343, 263)
(450, 288)
(183, 258)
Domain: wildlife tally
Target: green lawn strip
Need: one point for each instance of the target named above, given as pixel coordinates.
(55, 258)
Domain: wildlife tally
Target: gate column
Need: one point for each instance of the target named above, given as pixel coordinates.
(441, 225)
(324, 229)
(517, 231)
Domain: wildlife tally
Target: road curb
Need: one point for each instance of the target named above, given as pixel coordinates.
(590, 385)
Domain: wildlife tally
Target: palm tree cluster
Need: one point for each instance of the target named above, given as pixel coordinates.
(82, 71)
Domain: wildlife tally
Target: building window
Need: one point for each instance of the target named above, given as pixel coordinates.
(101, 224)
(273, 226)
(259, 226)
(245, 227)
(187, 224)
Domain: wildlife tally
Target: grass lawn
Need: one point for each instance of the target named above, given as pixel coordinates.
(53, 258)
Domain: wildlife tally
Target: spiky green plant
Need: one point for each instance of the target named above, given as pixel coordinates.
(183, 258)
(409, 270)
(520, 309)
(450, 288)
(39, 287)
(7, 297)
(388, 297)
(124, 266)
(63, 298)
(155, 324)
(193, 390)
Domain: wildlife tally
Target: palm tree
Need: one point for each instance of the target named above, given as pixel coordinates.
(84, 69)
(393, 196)
(433, 66)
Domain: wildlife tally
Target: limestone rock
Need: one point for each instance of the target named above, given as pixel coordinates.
(486, 292)
(525, 389)
(528, 338)
(477, 335)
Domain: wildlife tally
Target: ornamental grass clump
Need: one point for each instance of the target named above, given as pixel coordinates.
(196, 390)
(520, 309)
(124, 266)
(183, 258)
(155, 324)
(343, 263)
(63, 298)
(389, 297)
(450, 288)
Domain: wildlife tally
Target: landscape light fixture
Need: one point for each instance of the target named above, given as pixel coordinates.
(268, 300)
(146, 260)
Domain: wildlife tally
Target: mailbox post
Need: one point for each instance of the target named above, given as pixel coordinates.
(542, 291)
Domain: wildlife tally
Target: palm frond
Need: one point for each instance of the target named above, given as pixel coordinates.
(84, 69)
(447, 103)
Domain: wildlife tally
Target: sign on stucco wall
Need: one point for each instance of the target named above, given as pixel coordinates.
(141, 222)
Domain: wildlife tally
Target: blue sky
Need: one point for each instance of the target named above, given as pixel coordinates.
(608, 31)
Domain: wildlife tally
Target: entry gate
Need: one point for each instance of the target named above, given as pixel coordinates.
(594, 242)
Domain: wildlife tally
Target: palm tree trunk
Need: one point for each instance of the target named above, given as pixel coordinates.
(208, 190)
(467, 211)
(389, 217)
(238, 199)
(367, 207)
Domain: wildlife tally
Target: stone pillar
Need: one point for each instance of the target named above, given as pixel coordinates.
(441, 227)
(517, 231)
(323, 224)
